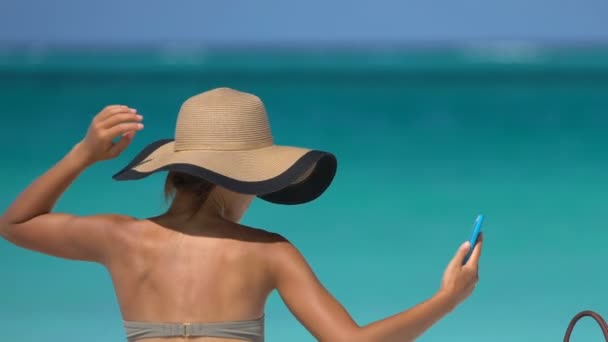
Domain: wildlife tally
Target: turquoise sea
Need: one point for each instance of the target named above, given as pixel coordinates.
(426, 139)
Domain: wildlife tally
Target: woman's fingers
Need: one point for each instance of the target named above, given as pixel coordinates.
(109, 111)
(111, 122)
(120, 117)
(124, 127)
(460, 254)
(122, 144)
(474, 260)
(118, 120)
(477, 250)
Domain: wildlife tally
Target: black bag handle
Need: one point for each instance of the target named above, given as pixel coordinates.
(582, 314)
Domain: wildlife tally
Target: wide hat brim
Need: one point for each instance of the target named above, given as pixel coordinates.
(277, 174)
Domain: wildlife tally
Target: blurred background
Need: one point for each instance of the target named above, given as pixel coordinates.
(436, 110)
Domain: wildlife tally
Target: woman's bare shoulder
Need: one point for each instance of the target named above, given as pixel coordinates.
(278, 248)
(120, 223)
(261, 235)
(112, 218)
(124, 228)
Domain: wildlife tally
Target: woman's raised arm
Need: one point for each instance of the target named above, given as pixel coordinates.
(29, 222)
(328, 320)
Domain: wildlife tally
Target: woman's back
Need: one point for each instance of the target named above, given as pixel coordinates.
(166, 271)
(194, 271)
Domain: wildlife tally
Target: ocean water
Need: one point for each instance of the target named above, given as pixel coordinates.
(425, 142)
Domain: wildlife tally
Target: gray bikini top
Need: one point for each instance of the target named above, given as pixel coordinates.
(249, 330)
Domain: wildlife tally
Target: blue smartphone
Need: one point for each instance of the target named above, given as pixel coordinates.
(474, 236)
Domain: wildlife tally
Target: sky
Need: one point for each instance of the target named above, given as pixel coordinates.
(247, 22)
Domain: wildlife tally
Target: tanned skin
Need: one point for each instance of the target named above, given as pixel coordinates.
(206, 267)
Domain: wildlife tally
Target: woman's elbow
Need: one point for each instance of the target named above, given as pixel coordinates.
(7, 229)
(352, 334)
(4, 227)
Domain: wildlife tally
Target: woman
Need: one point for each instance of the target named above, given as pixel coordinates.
(194, 272)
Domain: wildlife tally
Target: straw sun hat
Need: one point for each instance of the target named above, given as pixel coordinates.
(223, 135)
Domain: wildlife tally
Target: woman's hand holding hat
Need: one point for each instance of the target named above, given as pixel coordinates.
(113, 121)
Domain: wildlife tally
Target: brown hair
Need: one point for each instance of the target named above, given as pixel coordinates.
(180, 181)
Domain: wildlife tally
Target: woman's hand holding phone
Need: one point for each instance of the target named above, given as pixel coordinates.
(459, 279)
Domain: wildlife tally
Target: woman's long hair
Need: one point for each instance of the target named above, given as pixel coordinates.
(582, 314)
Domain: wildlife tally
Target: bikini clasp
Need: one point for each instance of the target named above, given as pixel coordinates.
(186, 332)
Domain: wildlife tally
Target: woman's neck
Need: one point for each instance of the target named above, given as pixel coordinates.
(219, 204)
